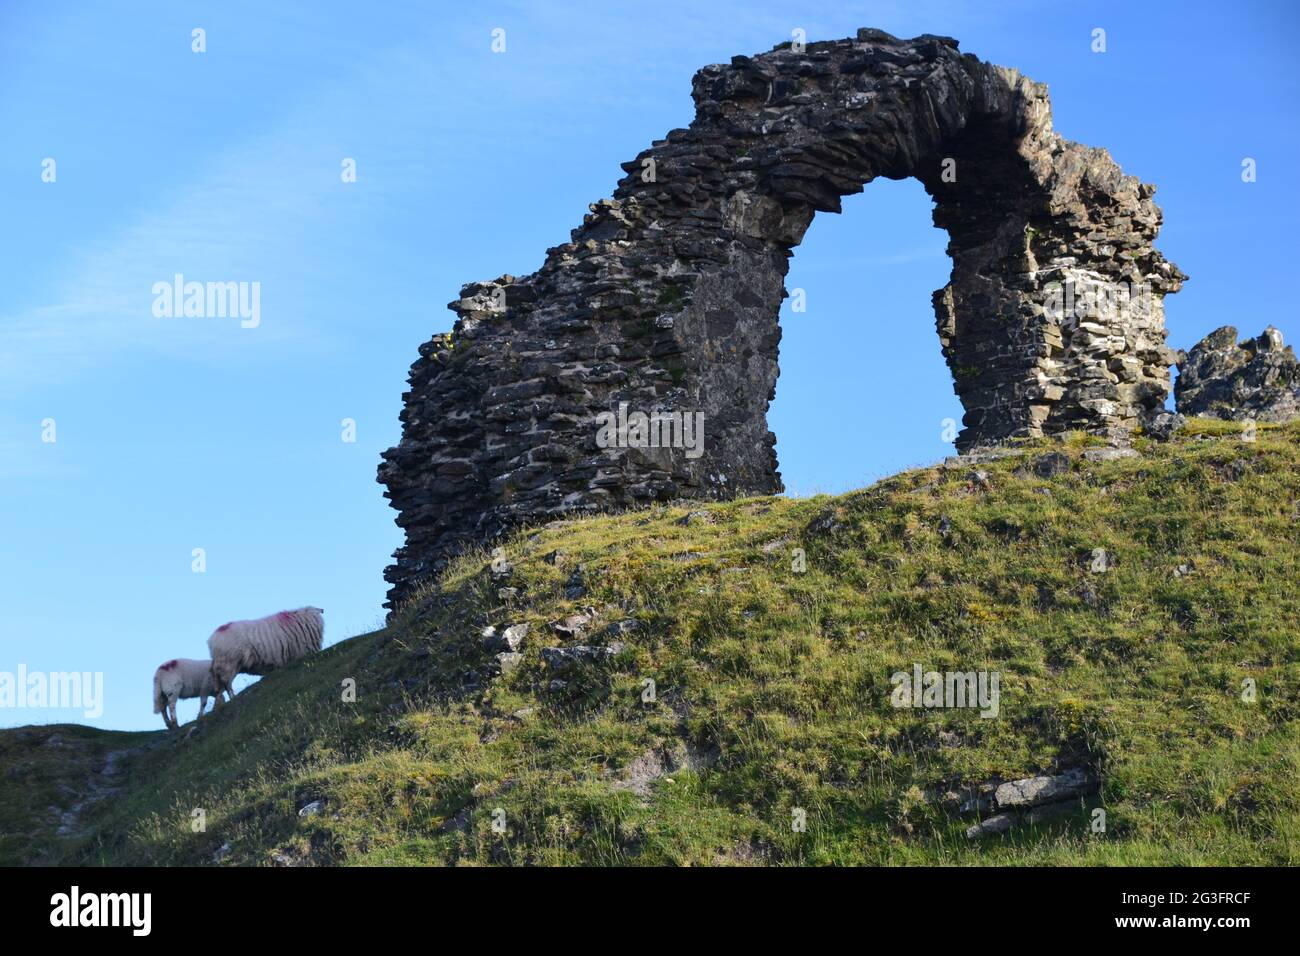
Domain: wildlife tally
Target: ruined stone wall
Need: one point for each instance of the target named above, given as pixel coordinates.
(666, 298)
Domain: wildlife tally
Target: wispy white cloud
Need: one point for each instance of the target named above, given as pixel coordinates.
(265, 209)
(29, 459)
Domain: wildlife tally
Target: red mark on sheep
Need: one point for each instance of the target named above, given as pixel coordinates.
(168, 666)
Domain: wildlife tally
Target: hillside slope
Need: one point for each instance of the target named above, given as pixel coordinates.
(1126, 606)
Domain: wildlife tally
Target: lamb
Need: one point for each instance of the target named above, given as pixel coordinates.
(182, 679)
(257, 647)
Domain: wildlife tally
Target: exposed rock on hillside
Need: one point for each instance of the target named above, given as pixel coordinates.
(1260, 378)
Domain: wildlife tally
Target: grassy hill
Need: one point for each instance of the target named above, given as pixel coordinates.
(1122, 602)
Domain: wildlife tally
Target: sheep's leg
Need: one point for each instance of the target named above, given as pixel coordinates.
(203, 704)
(223, 684)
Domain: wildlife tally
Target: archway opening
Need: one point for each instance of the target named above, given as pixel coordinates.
(864, 390)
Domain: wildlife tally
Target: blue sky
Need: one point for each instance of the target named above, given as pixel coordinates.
(176, 434)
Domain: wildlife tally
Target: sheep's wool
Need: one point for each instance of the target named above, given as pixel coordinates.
(181, 679)
(259, 646)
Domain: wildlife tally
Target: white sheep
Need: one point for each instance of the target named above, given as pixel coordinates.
(182, 679)
(256, 647)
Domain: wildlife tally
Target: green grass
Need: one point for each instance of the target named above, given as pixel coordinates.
(43, 778)
(783, 678)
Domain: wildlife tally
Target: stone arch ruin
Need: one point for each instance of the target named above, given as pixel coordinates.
(665, 300)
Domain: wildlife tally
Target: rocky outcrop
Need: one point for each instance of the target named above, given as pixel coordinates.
(664, 302)
(1004, 806)
(1259, 379)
